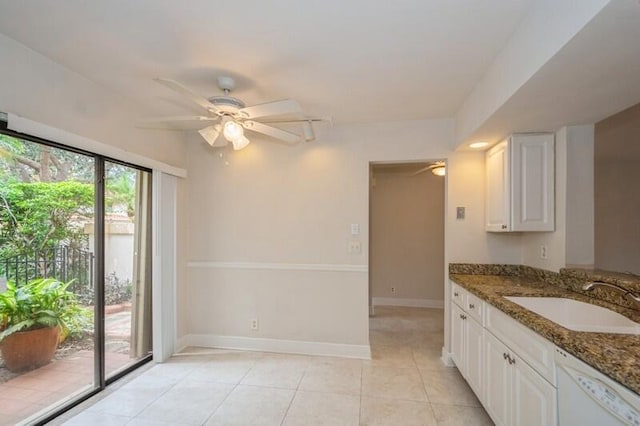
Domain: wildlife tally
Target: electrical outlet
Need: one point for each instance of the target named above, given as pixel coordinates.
(393, 290)
(543, 252)
(254, 324)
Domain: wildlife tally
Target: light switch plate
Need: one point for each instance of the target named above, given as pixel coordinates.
(460, 213)
(355, 229)
(355, 247)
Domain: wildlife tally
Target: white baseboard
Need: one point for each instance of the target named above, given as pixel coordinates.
(447, 359)
(411, 303)
(277, 345)
(181, 343)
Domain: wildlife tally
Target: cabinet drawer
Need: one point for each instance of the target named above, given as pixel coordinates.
(474, 307)
(457, 294)
(532, 348)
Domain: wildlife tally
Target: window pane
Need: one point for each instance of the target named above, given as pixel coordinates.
(127, 266)
(46, 260)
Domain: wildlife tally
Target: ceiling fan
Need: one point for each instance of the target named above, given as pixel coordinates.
(228, 117)
(438, 168)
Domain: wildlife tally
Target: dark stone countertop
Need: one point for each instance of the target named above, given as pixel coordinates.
(616, 355)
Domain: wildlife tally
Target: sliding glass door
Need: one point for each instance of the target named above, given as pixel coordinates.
(75, 273)
(127, 245)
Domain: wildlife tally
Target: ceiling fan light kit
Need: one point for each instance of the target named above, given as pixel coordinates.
(231, 129)
(210, 134)
(438, 168)
(233, 117)
(439, 171)
(239, 143)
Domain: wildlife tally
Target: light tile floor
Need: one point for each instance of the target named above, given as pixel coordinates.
(404, 383)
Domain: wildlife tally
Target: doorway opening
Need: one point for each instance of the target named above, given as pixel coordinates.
(406, 256)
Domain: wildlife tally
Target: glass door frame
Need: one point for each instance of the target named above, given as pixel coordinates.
(100, 381)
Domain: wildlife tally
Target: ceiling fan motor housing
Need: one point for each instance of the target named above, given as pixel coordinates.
(227, 103)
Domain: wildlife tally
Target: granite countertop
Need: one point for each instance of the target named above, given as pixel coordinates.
(616, 355)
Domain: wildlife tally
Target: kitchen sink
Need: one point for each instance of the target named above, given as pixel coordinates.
(578, 316)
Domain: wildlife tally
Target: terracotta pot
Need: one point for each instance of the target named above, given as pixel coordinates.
(26, 350)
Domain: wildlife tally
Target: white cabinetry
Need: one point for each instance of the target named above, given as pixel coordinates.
(467, 337)
(515, 394)
(509, 367)
(520, 194)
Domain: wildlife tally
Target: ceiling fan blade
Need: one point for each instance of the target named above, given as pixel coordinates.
(185, 91)
(429, 167)
(301, 120)
(178, 122)
(270, 109)
(422, 170)
(274, 132)
(177, 118)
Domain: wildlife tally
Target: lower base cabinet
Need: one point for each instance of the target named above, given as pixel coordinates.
(515, 394)
(467, 348)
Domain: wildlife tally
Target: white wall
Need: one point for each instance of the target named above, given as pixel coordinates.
(260, 228)
(617, 174)
(407, 236)
(542, 33)
(467, 240)
(580, 197)
(39, 89)
(572, 241)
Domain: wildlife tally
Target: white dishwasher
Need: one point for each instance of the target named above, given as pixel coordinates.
(587, 397)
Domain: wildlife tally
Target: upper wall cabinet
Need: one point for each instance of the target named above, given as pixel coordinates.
(520, 184)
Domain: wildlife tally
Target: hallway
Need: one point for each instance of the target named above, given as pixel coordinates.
(406, 345)
(403, 384)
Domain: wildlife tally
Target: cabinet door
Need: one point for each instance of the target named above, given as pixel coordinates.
(532, 186)
(457, 337)
(534, 399)
(457, 295)
(474, 358)
(498, 191)
(497, 380)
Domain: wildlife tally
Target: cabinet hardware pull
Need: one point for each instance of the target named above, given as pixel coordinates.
(464, 317)
(455, 293)
(512, 360)
(504, 226)
(472, 306)
(461, 316)
(504, 355)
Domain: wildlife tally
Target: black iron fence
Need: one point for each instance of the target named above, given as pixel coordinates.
(63, 263)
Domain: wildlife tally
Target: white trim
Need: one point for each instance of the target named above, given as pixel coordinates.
(277, 345)
(33, 128)
(333, 267)
(413, 303)
(164, 240)
(446, 358)
(181, 343)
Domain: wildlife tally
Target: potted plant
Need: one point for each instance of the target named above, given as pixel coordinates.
(32, 316)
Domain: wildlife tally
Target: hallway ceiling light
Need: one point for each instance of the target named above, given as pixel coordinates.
(439, 171)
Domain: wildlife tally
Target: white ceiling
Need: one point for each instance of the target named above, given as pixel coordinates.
(594, 76)
(356, 60)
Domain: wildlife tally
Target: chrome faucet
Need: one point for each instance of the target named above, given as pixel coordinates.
(626, 293)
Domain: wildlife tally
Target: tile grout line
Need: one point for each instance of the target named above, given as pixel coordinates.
(235, 386)
(295, 392)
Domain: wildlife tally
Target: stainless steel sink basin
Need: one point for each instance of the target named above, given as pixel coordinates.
(578, 316)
